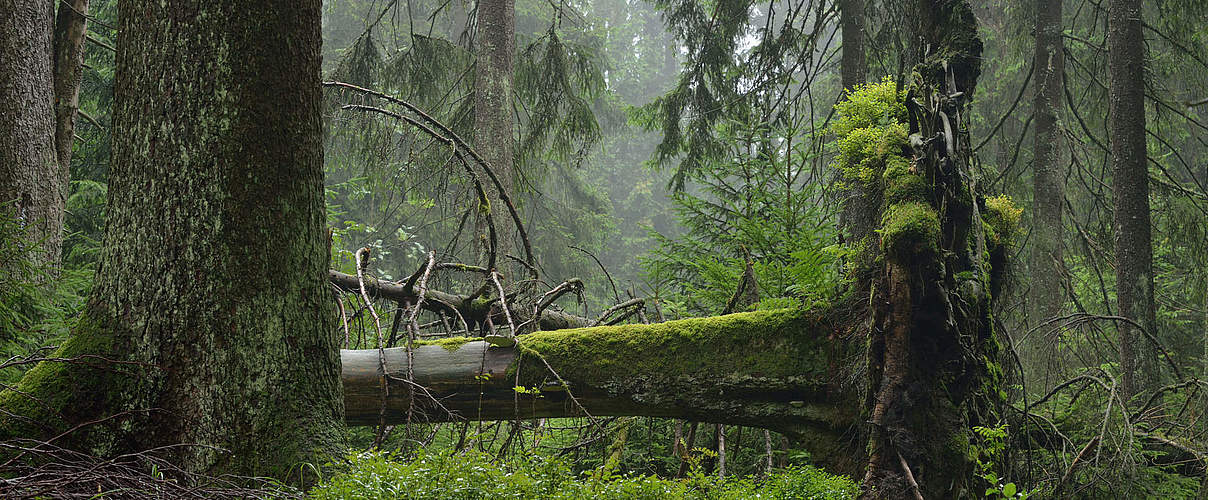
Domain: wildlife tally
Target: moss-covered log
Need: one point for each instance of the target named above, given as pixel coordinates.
(770, 369)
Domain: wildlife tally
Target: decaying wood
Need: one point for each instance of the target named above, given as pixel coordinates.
(476, 381)
(474, 311)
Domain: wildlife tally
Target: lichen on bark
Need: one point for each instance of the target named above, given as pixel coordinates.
(209, 323)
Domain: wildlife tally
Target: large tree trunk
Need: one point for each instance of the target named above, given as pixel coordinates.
(770, 369)
(496, 46)
(931, 351)
(212, 293)
(32, 185)
(1047, 293)
(1130, 186)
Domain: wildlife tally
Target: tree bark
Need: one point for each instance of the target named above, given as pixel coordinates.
(1047, 292)
(1130, 187)
(70, 27)
(493, 140)
(211, 312)
(32, 187)
(853, 67)
(931, 354)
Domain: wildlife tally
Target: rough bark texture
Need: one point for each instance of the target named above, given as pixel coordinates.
(496, 46)
(853, 68)
(31, 183)
(70, 27)
(1130, 187)
(767, 369)
(213, 272)
(1047, 293)
(931, 354)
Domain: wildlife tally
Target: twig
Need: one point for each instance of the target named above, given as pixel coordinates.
(615, 295)
(503, 303)
(343, 318)
(413, 331)
(362, 258)
(608, 312)
(914, 485)
(1069, 471)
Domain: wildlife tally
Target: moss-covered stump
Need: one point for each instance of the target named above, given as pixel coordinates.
(931, 350)
(770, 369)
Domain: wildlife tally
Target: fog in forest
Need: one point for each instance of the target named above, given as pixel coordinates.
(604, 249)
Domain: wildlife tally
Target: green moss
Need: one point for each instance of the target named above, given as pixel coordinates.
(870, 105)
(776, 343)
(902, 182)
(449, 344)
(1001, 218)
(910, 231)
(865, 153)
(41, 398)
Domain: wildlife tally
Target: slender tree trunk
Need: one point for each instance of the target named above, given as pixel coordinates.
(70, 28)
(683, 468)
(496, 42)
(1130, 186)
(853, 67)
(31, 182)
(720, 434)
(212, 288)
(1047, 295)
(858, 218)
(767, 445)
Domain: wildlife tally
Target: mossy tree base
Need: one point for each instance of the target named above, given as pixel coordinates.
(209, 330)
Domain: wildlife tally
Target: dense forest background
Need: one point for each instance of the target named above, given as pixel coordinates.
(670, 159)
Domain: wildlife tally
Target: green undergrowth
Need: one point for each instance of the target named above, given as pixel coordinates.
(473, 475)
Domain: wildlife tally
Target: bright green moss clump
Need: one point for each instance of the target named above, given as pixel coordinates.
(866, 152)
(870, 105)
(871, 131)
(903, 182)
(1002, 220)
(910, 231)
(777, 343)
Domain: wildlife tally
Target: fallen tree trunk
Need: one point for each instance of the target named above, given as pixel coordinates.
(769, 369)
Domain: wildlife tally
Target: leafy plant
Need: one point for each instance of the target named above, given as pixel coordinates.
(989, 456)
